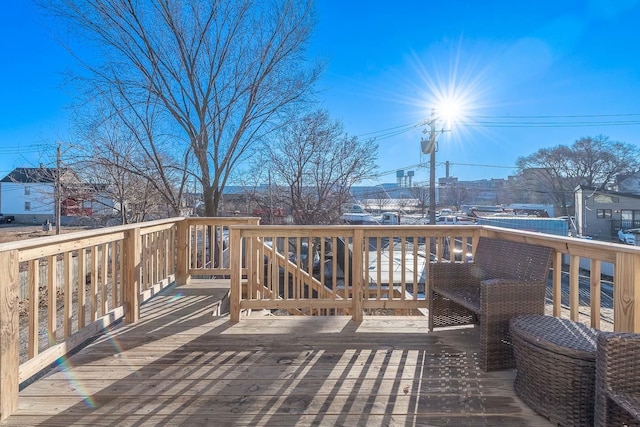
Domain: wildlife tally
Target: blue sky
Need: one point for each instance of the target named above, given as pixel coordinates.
(527, 75)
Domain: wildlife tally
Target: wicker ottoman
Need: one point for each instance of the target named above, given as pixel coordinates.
(555, 362)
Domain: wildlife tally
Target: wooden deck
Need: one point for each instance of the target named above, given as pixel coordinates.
(181, 365)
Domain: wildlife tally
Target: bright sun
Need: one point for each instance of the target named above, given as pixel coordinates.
(453, 102)
(455, 89)
(450, 110)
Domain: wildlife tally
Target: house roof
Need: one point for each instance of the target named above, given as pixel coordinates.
(603, 191)
(32, 175)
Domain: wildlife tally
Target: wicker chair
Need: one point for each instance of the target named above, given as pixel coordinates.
(505, 279)
(617, 401)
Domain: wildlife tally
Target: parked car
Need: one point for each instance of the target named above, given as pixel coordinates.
(628, 236)
(454, 219)
(6, 219)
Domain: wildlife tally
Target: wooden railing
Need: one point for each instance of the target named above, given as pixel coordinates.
(77, 284)
(57, 292)
(203, 244)
(355, 270)
(593, 282)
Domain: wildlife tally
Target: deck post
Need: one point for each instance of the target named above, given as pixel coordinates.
(235, 263)
(131, 292)
(626, 293)
(9, 345)
(182, 265)
(358, 294)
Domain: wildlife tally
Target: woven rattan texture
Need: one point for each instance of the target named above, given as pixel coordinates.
(505, 279)
(556, 380)
(618, 379)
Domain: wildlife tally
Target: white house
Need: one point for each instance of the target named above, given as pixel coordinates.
(29, 193)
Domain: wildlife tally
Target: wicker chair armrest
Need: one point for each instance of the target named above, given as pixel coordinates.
(628, 341)
(619, 361)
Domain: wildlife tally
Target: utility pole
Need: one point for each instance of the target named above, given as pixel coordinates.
(429, 147)
(57, 190)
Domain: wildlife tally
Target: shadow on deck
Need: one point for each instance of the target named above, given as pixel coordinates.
(181, 365)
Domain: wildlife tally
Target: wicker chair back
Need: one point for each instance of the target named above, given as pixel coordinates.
(511, 260)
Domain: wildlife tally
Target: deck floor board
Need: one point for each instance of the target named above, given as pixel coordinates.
(181, 365)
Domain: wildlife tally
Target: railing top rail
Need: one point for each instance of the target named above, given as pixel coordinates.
(224, 220)
(603, 251)
(361, 227)
(49, 245)
(594, 249)
(81, 235)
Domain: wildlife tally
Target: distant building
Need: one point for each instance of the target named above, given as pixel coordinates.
(386, 197)
(29, 194)
(601, 213)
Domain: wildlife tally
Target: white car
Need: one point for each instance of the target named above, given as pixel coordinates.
(453, 219)
(628, 236)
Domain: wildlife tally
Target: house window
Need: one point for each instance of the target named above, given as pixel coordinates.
(630, 218)
(27, 206)
(605, 198)
(603, 213)
(27, 191)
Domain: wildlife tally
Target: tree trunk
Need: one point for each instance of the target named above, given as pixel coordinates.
(210, 201)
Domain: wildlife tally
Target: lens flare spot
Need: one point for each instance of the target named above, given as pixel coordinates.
(64, 363)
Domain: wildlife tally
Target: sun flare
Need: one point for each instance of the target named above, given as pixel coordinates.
(450, 110)
(455, 87)
(453, 101)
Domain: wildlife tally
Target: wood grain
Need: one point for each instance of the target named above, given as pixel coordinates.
(179, 365)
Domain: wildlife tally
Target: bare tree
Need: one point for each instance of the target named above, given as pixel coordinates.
(198, 81)
(123, 178)
(591, 161)
(531, 186)
(403, 203)
(380, 199)
(317, 163)
(421, 193)
(454, 194)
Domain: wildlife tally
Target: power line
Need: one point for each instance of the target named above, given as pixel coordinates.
(18, 150)
(404, 128)
(523, 121)
(393, 171)
(546, 124)
(424, 165)
(559, 116)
